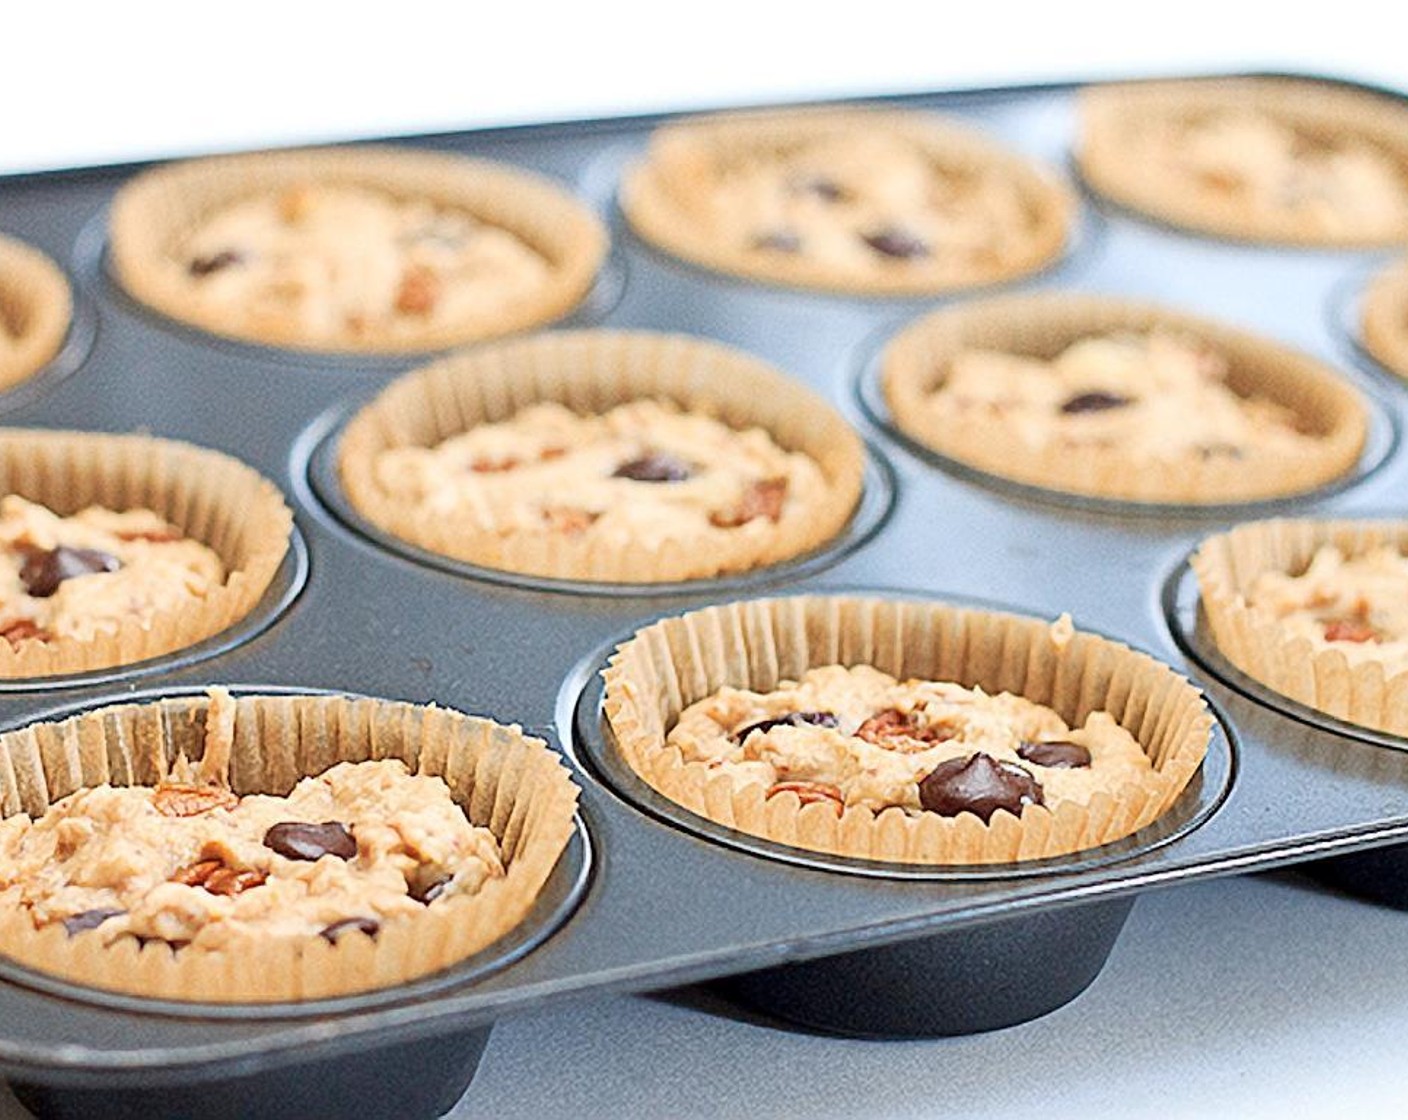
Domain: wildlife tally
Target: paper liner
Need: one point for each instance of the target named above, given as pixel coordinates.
(37, 304)
(671, 664)
(1258, 644)
(210, 497)
(1320, 109)
(505, 781)
(154, 212)
(1042, 326)
(1385, 320)
(592, 372)
(663, 195)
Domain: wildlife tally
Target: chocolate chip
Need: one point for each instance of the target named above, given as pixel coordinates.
(428, 891)
(296, 840)
(370, 926)
(819, 186)
(778, 241)
(980, 785)
(204, 266)
(44, 569)
(1061, 754)
(896, 243)
(1094, 401)
(89, 919)
(792, 719)
(657, 466)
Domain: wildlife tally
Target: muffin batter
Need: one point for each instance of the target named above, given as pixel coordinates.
(1357, 605)
(334, 263)
(1274, 173)
(856, 736)
(1158, 397)
(79, 576)
(189, 863)
(641, 474)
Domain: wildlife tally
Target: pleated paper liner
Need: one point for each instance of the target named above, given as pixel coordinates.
(591, 372)
(916, 362)
(671, 664)
(665, 197)
(1384, 326)
(504, 780)
(1111, 114)
(154, 213)
(212, 498)
(36, 305)
(1256, 642)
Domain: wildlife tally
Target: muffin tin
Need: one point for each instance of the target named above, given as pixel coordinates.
(864, 950)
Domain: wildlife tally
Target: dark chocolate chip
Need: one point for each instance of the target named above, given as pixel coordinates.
(370, 926)
(792, 719)
(1094, 401)
(819, 186)
(979, 784)
(1060, 754)
(427, 892)
(89, 919)
(896, 243)
(204, 266)
(778, 241)
(296, 840)
(657, 466)
(44, 569)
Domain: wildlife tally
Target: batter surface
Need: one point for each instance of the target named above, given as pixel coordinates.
(856, 736)
(335, 263)
(189, 863)
(1158, 396)
(1273, 172)
(1357, 605)
(75, 577)
(640, 474)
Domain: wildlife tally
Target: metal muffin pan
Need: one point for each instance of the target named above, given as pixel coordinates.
(863, 954)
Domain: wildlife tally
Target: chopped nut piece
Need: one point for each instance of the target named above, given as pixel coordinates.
(565, 519)
(23, 630)
(1350, 630)
(419, 290)
(190, 801)
(761, 499)
(894, 730)
(811, 792)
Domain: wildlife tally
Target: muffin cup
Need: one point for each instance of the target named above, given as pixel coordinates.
(210, 497)
(1253, 640)
(1042, 326)
(671, 664)
(504, 780)
(662, 195)
(1320, 109)
(592, 372)
(37, 304)
(153, 213)
(1384, 324)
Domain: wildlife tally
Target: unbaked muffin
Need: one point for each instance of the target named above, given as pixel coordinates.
(367, 249)
(847, 199)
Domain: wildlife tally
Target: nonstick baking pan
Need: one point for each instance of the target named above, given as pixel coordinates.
(649, 897)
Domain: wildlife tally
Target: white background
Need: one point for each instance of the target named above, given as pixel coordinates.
(1249, 998)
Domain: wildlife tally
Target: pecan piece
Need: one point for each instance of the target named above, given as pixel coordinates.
(217, 878)
(152, 536)
(419, 290)
(569, 520)
(761, 499)
(173, 800)
(896, 731)
(809, 793)
(1350, 630)
(23, 630)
